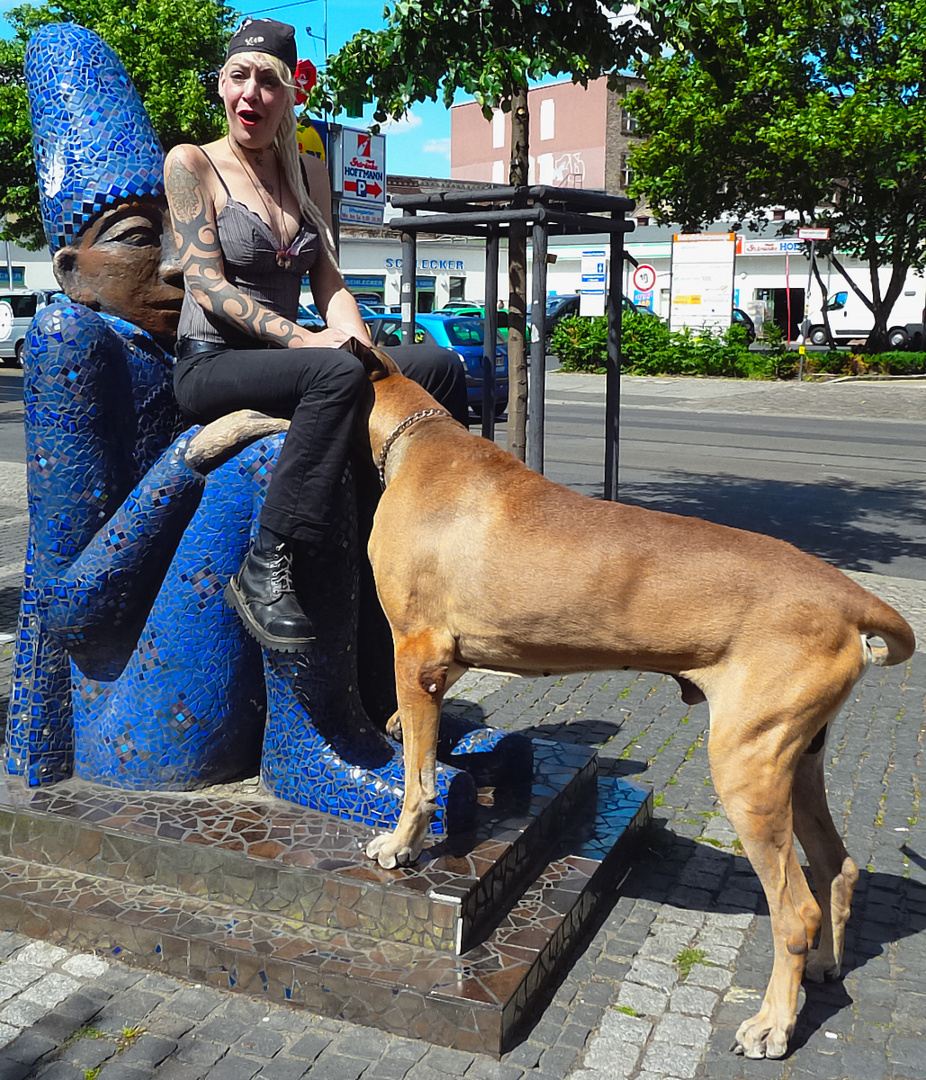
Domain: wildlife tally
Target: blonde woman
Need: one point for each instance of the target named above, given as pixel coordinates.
(251, 217)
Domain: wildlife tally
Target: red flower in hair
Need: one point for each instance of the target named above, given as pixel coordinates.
(305, 77)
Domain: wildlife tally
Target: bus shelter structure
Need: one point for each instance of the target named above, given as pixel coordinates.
(546, 212)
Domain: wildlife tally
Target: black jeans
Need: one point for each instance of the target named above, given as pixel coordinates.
(321, 391)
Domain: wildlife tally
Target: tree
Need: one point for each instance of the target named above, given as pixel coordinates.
(490, 49)
(172, 50)
(818, 106)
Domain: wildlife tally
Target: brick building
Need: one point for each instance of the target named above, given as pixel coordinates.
(579, 138)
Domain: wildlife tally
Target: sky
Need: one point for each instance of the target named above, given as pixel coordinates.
(418, 146)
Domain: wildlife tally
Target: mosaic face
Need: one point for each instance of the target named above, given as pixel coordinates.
(125, 263)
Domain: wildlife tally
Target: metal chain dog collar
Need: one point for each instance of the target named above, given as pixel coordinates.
(403, 427)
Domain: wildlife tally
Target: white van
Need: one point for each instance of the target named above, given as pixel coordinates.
(849, 319)
(17, 310)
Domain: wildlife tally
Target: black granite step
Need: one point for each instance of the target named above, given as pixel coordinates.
(234, 845)
(476, 1001)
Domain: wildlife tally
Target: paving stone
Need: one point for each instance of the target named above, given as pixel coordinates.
(51, 990)
(195, 1051)
(41, 954)
(148, 1050)
(194, 1003)
(260, 1042)
(21, 1013)
(29, 1047)
(714, 978)
(649, 973)
(85, 966)
(7, 1034)
(120, 1070)
(644, 1000)
(484, 1068)
(11, 1069)
(177, 1070)
(680, 1061)
(310, 1045)
(20, 975)
(79, 1007)
(284, 1068)
(234, 1067)
(682, 1030)
(332, 1066)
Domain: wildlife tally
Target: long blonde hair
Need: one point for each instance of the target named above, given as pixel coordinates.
(286, 146)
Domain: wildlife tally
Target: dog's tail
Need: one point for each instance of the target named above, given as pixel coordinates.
(880, 620)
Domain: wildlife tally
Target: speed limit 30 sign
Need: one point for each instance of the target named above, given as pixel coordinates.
(644, 278)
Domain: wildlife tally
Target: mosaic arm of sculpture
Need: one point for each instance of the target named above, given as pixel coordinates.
(130, 669)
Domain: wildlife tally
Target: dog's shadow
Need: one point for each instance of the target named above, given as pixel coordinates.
(857, 526)
(673, 868)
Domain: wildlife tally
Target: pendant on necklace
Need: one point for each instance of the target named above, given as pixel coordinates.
(283, 259)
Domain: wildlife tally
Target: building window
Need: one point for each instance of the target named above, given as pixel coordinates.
(498, 129)
(778, 215)
(498, 172)
(546, 119)
(628, 123)
(626, 172)
(641, 221)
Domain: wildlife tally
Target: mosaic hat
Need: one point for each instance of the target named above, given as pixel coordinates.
(93, 142)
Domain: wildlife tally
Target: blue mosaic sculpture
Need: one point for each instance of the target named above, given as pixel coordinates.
(130, 669)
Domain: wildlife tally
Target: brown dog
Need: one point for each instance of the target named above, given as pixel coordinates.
(480, 562)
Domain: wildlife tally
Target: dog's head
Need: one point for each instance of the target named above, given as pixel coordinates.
(375, 362)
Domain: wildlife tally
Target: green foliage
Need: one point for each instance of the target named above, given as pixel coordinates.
(686, 960)
(648, 348)
(432, 48)
(172, 50)
(818, 106)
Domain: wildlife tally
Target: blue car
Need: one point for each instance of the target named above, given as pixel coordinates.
(464, 334)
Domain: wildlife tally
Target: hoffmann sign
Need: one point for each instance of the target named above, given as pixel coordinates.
(361, 170)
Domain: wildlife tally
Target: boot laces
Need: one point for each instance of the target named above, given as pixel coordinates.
(281, 575)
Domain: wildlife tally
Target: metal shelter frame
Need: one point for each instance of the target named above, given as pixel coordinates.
(547, 211)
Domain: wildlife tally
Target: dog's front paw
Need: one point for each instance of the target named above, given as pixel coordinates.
(391, 851)
(760, 1037)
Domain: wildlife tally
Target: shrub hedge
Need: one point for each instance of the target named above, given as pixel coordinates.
(649, 348)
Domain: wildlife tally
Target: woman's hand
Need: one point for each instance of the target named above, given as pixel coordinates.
(329, 338)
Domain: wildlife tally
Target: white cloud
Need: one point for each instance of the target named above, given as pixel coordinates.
(437, 146)
(397, 127)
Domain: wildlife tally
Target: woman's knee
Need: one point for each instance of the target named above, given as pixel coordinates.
(336, 372)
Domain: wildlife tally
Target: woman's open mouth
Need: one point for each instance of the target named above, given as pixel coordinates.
(248, 116)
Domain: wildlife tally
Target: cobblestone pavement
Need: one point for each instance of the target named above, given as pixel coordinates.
(672, 968)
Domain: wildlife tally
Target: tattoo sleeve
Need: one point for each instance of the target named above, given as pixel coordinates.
(193, 218)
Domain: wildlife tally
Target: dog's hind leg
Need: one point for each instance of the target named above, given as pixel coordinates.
(833, 871)
(753, 767)
(422, 662)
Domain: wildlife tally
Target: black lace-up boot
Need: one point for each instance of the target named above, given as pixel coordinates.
(262, 594)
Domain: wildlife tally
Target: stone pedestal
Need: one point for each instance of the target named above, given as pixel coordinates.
(240, 890)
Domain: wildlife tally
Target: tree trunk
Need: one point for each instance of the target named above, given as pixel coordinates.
(517, 283)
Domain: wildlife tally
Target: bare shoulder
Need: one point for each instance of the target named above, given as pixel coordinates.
(316, 172)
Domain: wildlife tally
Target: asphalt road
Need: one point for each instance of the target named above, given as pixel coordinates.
(851, 492)
(849, 488)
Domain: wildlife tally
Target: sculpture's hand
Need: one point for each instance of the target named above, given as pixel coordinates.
(219, 441)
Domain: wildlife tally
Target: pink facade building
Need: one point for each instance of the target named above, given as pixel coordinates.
(579, 138)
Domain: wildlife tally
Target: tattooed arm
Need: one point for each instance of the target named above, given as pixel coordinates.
(192, 210)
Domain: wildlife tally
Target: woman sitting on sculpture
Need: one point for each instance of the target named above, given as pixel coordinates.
(251, 217)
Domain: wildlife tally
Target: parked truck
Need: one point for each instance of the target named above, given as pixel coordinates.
(850, 319)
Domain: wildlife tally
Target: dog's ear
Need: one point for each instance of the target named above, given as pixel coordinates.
(376, 363)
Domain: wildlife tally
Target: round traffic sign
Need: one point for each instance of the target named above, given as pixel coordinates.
(644, 278)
